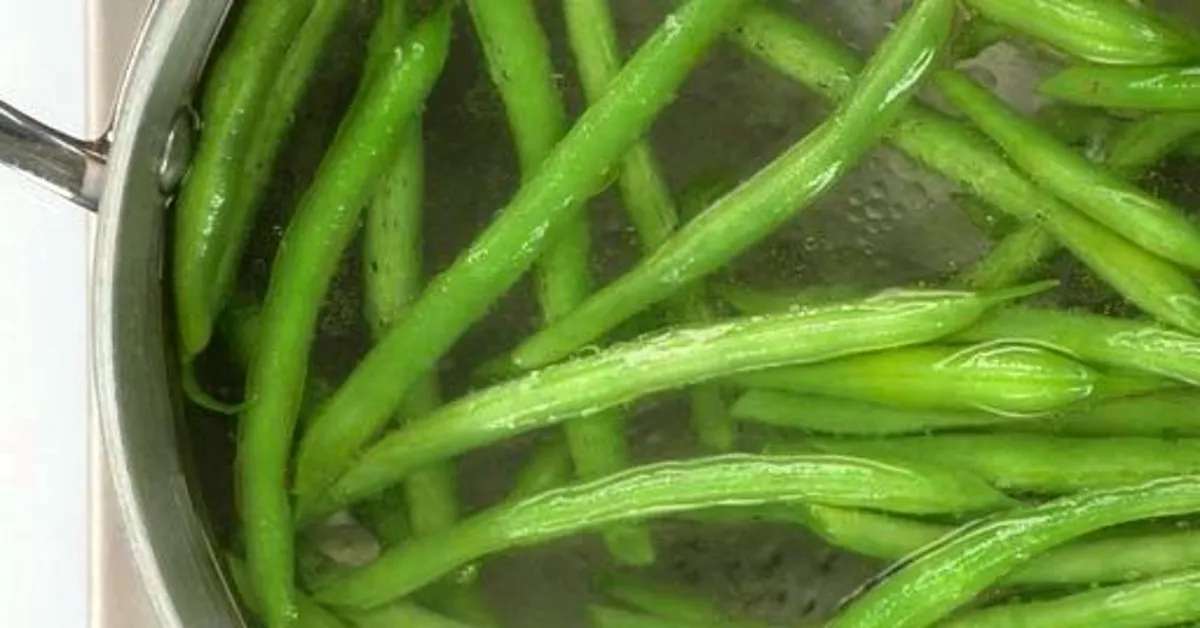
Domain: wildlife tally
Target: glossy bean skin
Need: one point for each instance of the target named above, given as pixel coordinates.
(960, 154)
(1111, 32)
(1173, 88)
(830, 415)
(461, 295)
(1115, 342)
(518, 58)
(234, 98)
(668, 360)
(308, 255)
(1006, 379)
(1155, 224)
(1032, 463)
(1123, 556)
(947, 575)
(646, 195)
(1143, 144)
(1164, 601)
(778, 192)
(1169, 414)
(655, 490)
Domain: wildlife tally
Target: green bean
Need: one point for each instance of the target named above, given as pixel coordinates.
(607, 617)
(655, 490)
(1011, 260)
(1116, 342)
(1143, 144)
(231, 106)
(460, 295)
(1168, 414)
(1078, 126)
(1113, 32)
(675, 358)
(1035, 463)
(549, 467)
(1175, 88)
(1005, 379)
(645, 193)
(662, 600)
(1152, 223)
(960, 154)
(1118, 557)
(403, 615)
(519, 61)
(827, 415)
(307, 259)
(1165, 601)
(949, 574)
(785, 187)
(309, 614)
(978, 36)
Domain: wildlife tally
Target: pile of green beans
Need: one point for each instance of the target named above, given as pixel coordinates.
(975, 440)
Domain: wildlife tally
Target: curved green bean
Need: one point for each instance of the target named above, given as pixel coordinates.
(1173, 88)
(1033, 463)
(752, 210)
(235, 96)
(949, 574)
(668, 360)
(1155, 224)
(828, 415)
(1118, 557)
(1006, 379)
(1143, 144)
(460, 295)
(646, 195)
(308, 256)
(1113, 32)
(962, 155)
(1115, 342)
(1165, 601)
(655, 490)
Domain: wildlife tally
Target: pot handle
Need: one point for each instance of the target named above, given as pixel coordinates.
(68, 166)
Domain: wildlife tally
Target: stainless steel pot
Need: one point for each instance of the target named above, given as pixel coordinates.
(128, 176)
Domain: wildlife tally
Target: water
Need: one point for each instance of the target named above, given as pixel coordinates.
(887, 223)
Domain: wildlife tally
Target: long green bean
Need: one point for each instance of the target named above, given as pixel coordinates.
(1115, 342)
(1124, 555)
(751, 211)
(1164, 601)
(460, 295)
(675, 358)
(828, 415)
(307, 259)
(1155, 224)
(1169, 414)
(1034, 463)
(1012, 259)
(654, 490)
(519, 62)
(234, 99)
(959, 153)
(1113, 32)
(1143, 144)
(949, 574)
(1174, 88)
(548, 467)
(1005, 379)
(646, 195)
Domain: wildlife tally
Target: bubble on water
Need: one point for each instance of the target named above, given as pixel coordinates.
(874, 212)
(811, 243)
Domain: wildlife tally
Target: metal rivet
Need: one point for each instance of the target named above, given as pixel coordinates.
(177, 152)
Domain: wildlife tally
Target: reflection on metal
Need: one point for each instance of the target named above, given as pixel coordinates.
(70, 167)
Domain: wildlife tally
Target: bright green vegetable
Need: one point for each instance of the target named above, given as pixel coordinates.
(1164, 601)
(519, 61)
(459, 296)
(829, 415)
(1114, 32)
(549, 467)
(236, 94)
(1155, 224)
(948, 575)
(644, 190)
(1033, 463)
(978, 36)
(309, 614)
(1114, 342)
(1143, 144)
(308, 256)
(403, 615)
(668, 360)
(655, 490)
(663, 600)
(1005, 379)
(606, 617)
(1169, 414)
(1012, 260)
(755, 208)
(1175, 88)
(1118, 557)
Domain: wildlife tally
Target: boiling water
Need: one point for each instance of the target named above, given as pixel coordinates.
(887, 223)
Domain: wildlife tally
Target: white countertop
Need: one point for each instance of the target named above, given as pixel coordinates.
(43, 334)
